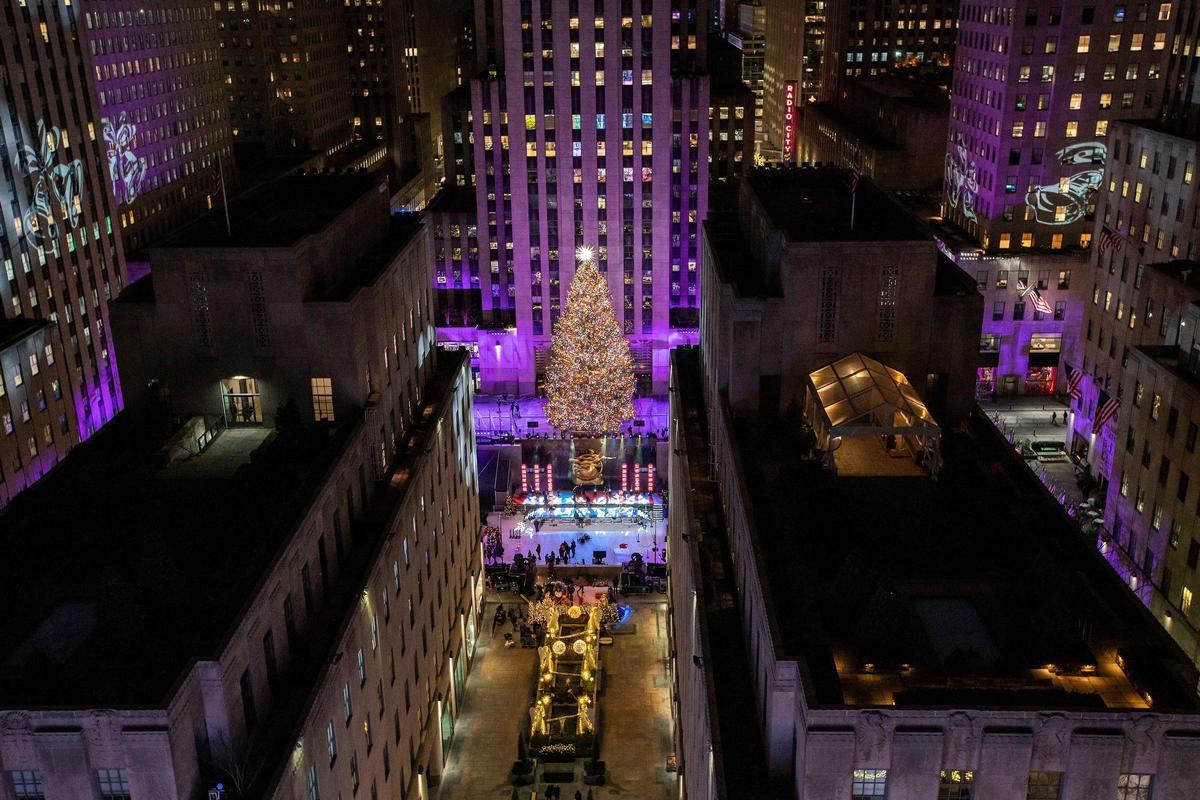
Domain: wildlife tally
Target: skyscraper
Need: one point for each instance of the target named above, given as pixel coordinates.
(590, 127)
(286, 74)
(866, 38)
(404, 57)
(164, 111)
(62, 259)
(1035, 90)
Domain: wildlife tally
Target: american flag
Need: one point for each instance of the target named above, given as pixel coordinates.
(1109, 240)
(1039, 302)
(218, 181)
(1074, 378)
(1106, 409)
(854, 178)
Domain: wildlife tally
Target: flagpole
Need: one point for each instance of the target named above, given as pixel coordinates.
(224, 197)
(853, 205)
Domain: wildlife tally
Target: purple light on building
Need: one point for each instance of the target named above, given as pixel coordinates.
(575, 143)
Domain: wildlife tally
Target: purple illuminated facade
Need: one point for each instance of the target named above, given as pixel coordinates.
(63, 260)
(589, 126)
(163, 110)
(1035, 89)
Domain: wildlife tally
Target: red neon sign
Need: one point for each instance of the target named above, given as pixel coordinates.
(789, 120)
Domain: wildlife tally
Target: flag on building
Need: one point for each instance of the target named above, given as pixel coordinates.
(1106, 409)
(1109, 240)
(218, 182)
(1039, 303)
(855, 175)
(1074, 379)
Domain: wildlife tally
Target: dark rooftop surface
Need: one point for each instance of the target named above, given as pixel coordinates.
(278, 214)
(812, 204)
(13, 331)
(400, 231)
(1185, 271)
(961, 592)
(862, 132)
(118, 573)
(453, 199)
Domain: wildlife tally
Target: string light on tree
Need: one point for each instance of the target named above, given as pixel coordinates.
(590, 378)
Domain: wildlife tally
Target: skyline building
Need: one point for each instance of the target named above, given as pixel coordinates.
(286, 75)
(589, 126)
(63, 257)
(297, 582)
(165, 116)
(1035, 91)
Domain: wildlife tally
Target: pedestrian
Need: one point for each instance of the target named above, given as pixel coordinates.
(572, 551)
(496, 620)
(539, 549)
(1054, 418)
(578, 795)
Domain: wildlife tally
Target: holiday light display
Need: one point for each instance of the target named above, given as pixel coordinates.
(590, 378)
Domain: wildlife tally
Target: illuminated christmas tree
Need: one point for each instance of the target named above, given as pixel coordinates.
(590, 378)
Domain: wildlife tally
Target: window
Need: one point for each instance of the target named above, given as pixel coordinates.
(27, 784)
(1044, 786)
(114, 784)
(322, 392)
(955, 784)
(347, 703)
(314, 792)
(1185, 605)
(868, 783)
(331, 742)
(997, 311)
(248, 707)
(1133, 786)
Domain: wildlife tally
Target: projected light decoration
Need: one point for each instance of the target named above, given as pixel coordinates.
(55, 185)
(1072, 193)
(962, 178)
(126, 169)
(589, 385)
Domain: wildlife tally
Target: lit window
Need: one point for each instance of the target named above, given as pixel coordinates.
(1133, 786)
(322, 392)
(868, 783)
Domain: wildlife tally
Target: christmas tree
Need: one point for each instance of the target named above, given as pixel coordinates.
(590, 378)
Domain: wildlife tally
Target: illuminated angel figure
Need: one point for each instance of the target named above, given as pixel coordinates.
(125, 168)
(962, 179)
(538, 721)
(584, 724)
(56, 186)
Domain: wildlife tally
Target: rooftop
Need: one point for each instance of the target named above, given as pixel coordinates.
(13, 331)
(453, 199)
(813, 204)
(278, 214)
(967, 591)
(1185, 271)
(117, 567)
(401, 230)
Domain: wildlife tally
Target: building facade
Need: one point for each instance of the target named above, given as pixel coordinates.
(286, 73)
(1035, 91)
(333, 658)
(38, 416)
(864, 39)
(793, 286)
(60, 239)
(1151, 537)
(165, 115)
(593, 131)
(749, 37)
(890, 130)
(783, 67)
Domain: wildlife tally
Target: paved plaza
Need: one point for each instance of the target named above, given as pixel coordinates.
(1039, 419)
(635, 714)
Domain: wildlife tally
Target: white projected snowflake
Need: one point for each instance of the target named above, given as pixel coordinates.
(126, 169)
(56, 185)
